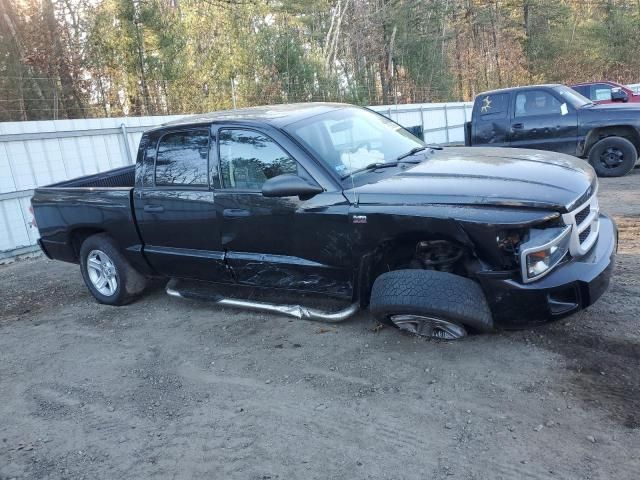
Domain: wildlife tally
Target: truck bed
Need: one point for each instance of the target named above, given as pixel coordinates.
(117, 178)
(69, 211)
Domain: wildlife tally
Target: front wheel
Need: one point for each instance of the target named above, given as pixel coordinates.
(430, 303)
(613, 157)
(109, 276)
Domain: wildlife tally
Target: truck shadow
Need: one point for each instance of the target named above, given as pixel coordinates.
(601, 347)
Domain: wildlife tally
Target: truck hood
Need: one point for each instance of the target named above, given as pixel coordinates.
(601, 113)
(608, 107)
(485, 176)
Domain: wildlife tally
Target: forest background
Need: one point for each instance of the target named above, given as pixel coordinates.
(102, 58)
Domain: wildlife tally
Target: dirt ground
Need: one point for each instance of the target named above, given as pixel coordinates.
(170, 388)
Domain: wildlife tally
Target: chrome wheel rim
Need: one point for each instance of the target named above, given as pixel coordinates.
(430, 327)
(102, 273)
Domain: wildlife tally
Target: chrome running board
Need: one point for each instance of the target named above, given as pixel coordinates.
(296, 311)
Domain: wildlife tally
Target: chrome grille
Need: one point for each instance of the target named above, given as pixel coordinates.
(585, 223)
(582, 215)
(584, 234)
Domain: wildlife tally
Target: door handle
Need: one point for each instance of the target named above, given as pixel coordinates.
(235, 213)
(517, 126)
(153, 208)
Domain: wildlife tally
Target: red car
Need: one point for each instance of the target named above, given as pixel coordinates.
(606, 92)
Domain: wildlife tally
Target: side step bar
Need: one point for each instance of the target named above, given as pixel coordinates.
(296, 311)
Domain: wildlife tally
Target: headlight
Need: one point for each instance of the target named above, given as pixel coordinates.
(544, 249)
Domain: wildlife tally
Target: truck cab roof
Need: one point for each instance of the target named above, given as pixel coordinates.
(275, 115)
(527, 87)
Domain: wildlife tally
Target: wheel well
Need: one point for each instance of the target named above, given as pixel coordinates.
(79, 235)
(412, 252)
(624, 131)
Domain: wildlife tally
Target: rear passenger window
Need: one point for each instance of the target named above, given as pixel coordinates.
(582, 89)
(183, 158)
(492, 107)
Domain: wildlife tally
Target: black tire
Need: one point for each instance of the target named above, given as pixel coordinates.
(130, 283)
(613, 157)
(433, 294)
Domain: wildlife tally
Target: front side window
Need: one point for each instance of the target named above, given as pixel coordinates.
(601, 91)
(537, 102)
(182, 159)
(249, 158)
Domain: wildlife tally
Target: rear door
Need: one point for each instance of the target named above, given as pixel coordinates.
(175, 206)
(283, 242)
(491, 120)
(543, 121)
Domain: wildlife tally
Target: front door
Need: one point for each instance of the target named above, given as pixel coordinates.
(543, 121)
(284, 242)
(175, 207)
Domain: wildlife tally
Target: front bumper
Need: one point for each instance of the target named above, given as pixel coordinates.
(571, 286)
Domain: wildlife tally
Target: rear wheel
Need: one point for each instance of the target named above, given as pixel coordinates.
(109, 276)
(613, 157)
(430, 303)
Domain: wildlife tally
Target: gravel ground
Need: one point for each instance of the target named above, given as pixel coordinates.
(169, 388)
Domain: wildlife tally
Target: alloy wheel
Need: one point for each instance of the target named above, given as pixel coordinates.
(102, 273)
(429, 326)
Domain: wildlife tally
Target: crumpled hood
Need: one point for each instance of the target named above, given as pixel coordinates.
(485, 176)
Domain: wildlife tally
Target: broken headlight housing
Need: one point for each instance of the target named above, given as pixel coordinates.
(543, 251)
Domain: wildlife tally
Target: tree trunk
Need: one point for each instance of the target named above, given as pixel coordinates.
(141, 55)
(71, 102)
(5, 15)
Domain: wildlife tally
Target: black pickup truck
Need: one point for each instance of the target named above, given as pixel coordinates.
(557, 118)
(339, 201)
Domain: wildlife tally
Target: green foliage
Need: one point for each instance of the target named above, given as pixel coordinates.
(138, 57)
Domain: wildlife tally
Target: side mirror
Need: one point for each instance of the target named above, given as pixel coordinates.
(288, 185)
(619, 95)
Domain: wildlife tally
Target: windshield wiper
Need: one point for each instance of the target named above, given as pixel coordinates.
(377, 165)
(398, 161)
(415, 150)
(371, 166)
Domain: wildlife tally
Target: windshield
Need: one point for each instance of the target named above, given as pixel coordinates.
(351, 138)
(572, 97)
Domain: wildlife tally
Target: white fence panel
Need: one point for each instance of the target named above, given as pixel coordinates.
(40, 153)
(441, 123)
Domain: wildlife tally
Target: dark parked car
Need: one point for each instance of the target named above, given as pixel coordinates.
(338, 200)
(606, 92)
(557, 118)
